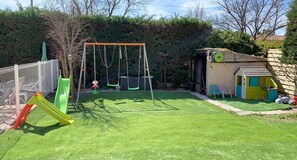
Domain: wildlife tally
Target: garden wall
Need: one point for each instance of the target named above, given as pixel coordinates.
(283, 74)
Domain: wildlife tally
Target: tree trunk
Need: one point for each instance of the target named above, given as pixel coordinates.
(72, 81)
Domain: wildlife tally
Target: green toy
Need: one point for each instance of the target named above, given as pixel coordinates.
(218, 57)
(62, 94)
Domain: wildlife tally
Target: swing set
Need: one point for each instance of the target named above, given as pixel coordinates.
(104, 61)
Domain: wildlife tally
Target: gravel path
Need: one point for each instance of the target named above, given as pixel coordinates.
(241, 112)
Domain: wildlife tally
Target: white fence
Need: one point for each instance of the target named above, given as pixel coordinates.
(19, 82)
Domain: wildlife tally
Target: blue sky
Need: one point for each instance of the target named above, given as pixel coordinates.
(158, 8)
(169, 7)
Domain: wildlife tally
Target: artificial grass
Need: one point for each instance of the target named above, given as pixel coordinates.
(179, 126)
(252, 105)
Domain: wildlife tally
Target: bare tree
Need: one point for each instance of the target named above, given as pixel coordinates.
(110, 6)
(95, 7)
(196, 12)
(87, 7)
(67, 35)
(77, 7)
(74, 7)
(20, 6)
(252, 16)
(59, 5)
(132, 6)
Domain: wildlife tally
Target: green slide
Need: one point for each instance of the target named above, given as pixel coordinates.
(52, 110)
(62, 94)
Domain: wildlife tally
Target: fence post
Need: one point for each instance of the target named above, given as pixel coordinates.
(17, 89)
(52, 76)
(58, 71)
(39, 77)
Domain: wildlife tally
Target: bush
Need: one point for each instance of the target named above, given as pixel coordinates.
(235, 41)
(264, 46)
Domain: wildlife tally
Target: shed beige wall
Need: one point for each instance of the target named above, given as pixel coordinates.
(223, 73)
(283, 74)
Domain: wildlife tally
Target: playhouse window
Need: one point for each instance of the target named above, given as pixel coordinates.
(254, 81)
(239, 80)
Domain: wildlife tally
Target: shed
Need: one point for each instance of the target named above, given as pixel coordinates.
(217, 66)
(255, 82)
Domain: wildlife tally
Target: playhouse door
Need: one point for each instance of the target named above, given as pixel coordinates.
(238, 91)
(239, 86)
(243, 88)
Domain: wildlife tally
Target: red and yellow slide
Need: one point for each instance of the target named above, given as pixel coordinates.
(46, 106)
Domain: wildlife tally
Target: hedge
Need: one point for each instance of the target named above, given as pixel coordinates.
(169, 42)
(22, 34)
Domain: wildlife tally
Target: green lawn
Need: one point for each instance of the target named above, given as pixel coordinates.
(252, 105)
(180, 126)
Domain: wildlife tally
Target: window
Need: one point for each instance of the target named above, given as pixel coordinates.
(239, 80)
(254, 81)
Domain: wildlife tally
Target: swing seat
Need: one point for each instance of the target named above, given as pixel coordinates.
(113, 85)
(133, 89)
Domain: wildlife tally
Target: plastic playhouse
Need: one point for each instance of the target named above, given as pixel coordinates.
(255, 83)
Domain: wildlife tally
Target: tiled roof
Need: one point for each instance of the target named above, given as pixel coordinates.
(255, 71)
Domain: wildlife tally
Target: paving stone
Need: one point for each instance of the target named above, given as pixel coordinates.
(241, 112)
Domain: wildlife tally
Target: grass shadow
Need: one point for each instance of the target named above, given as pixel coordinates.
(40, 130)
(138, 96)
(119, 103)
(99, 116)
(167, 105)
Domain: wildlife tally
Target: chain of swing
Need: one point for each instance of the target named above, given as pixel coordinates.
(104, 61)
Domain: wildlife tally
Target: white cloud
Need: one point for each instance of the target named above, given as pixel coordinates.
(211, 7)
(191, 4)
(156, 10)
(180, 7)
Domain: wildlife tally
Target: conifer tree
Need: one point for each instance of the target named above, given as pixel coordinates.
(290, 42)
